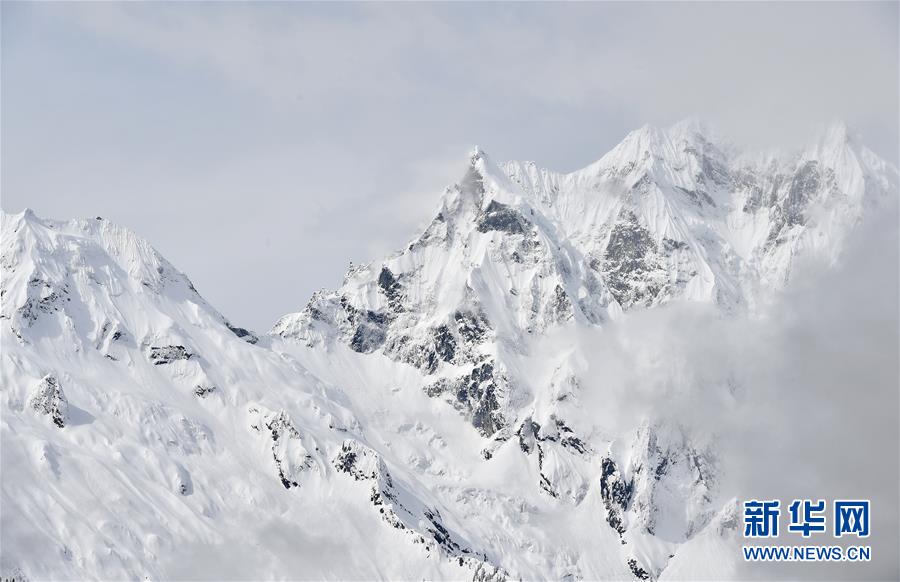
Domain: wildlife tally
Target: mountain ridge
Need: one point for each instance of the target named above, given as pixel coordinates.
(419, 418)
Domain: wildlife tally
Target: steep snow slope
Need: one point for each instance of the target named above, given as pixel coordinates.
(168, 436)
(431, 418)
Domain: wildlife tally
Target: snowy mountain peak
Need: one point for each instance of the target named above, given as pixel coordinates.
(90, 279)
(666, 215)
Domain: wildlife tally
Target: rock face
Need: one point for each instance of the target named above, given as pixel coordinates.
(167, 354)
(616, 492)
(479, 395)
(242, 333)
(632, 266)
(47, 398)
(288, 451)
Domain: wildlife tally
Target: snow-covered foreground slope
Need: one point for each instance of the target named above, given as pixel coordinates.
(444, 414)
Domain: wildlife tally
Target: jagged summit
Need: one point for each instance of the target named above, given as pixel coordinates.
(665, 215)
(516, 251)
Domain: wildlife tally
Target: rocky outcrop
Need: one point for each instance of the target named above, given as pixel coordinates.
(242, 333)
(43, 298)
(160, 355)
(203, 390)
(291, 457)
(637, 570)
(503, 218)
(632, 268)
(47, 398)
(616, 493)
(401, 509)
(480, 395)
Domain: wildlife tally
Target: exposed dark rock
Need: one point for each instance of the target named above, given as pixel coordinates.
(472, 326)
(42, 298)
(631, 267)
(500, 217)
(444, 343)
(422, 522)
(242, 333)
(369, 327)
(543, 480)
(391, 288)
(428, 351)
(566, 437)
(48, 398)
(290, 456)
(203, 391)
(615, 492)
(440, 534)
(661, 468)
(422, 353)
(636, 569)
(359, 461)
(560, 308)
(167, 354)
(367, 338)
(532, 438)
(671, 245)
(477, 394)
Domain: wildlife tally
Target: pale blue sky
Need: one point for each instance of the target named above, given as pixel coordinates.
(261, 147)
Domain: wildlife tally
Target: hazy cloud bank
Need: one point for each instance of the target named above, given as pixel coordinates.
(262, 147)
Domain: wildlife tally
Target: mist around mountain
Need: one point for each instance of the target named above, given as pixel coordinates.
(564, 376)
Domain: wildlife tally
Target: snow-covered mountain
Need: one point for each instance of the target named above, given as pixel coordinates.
(433, 416)
(515, 251)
